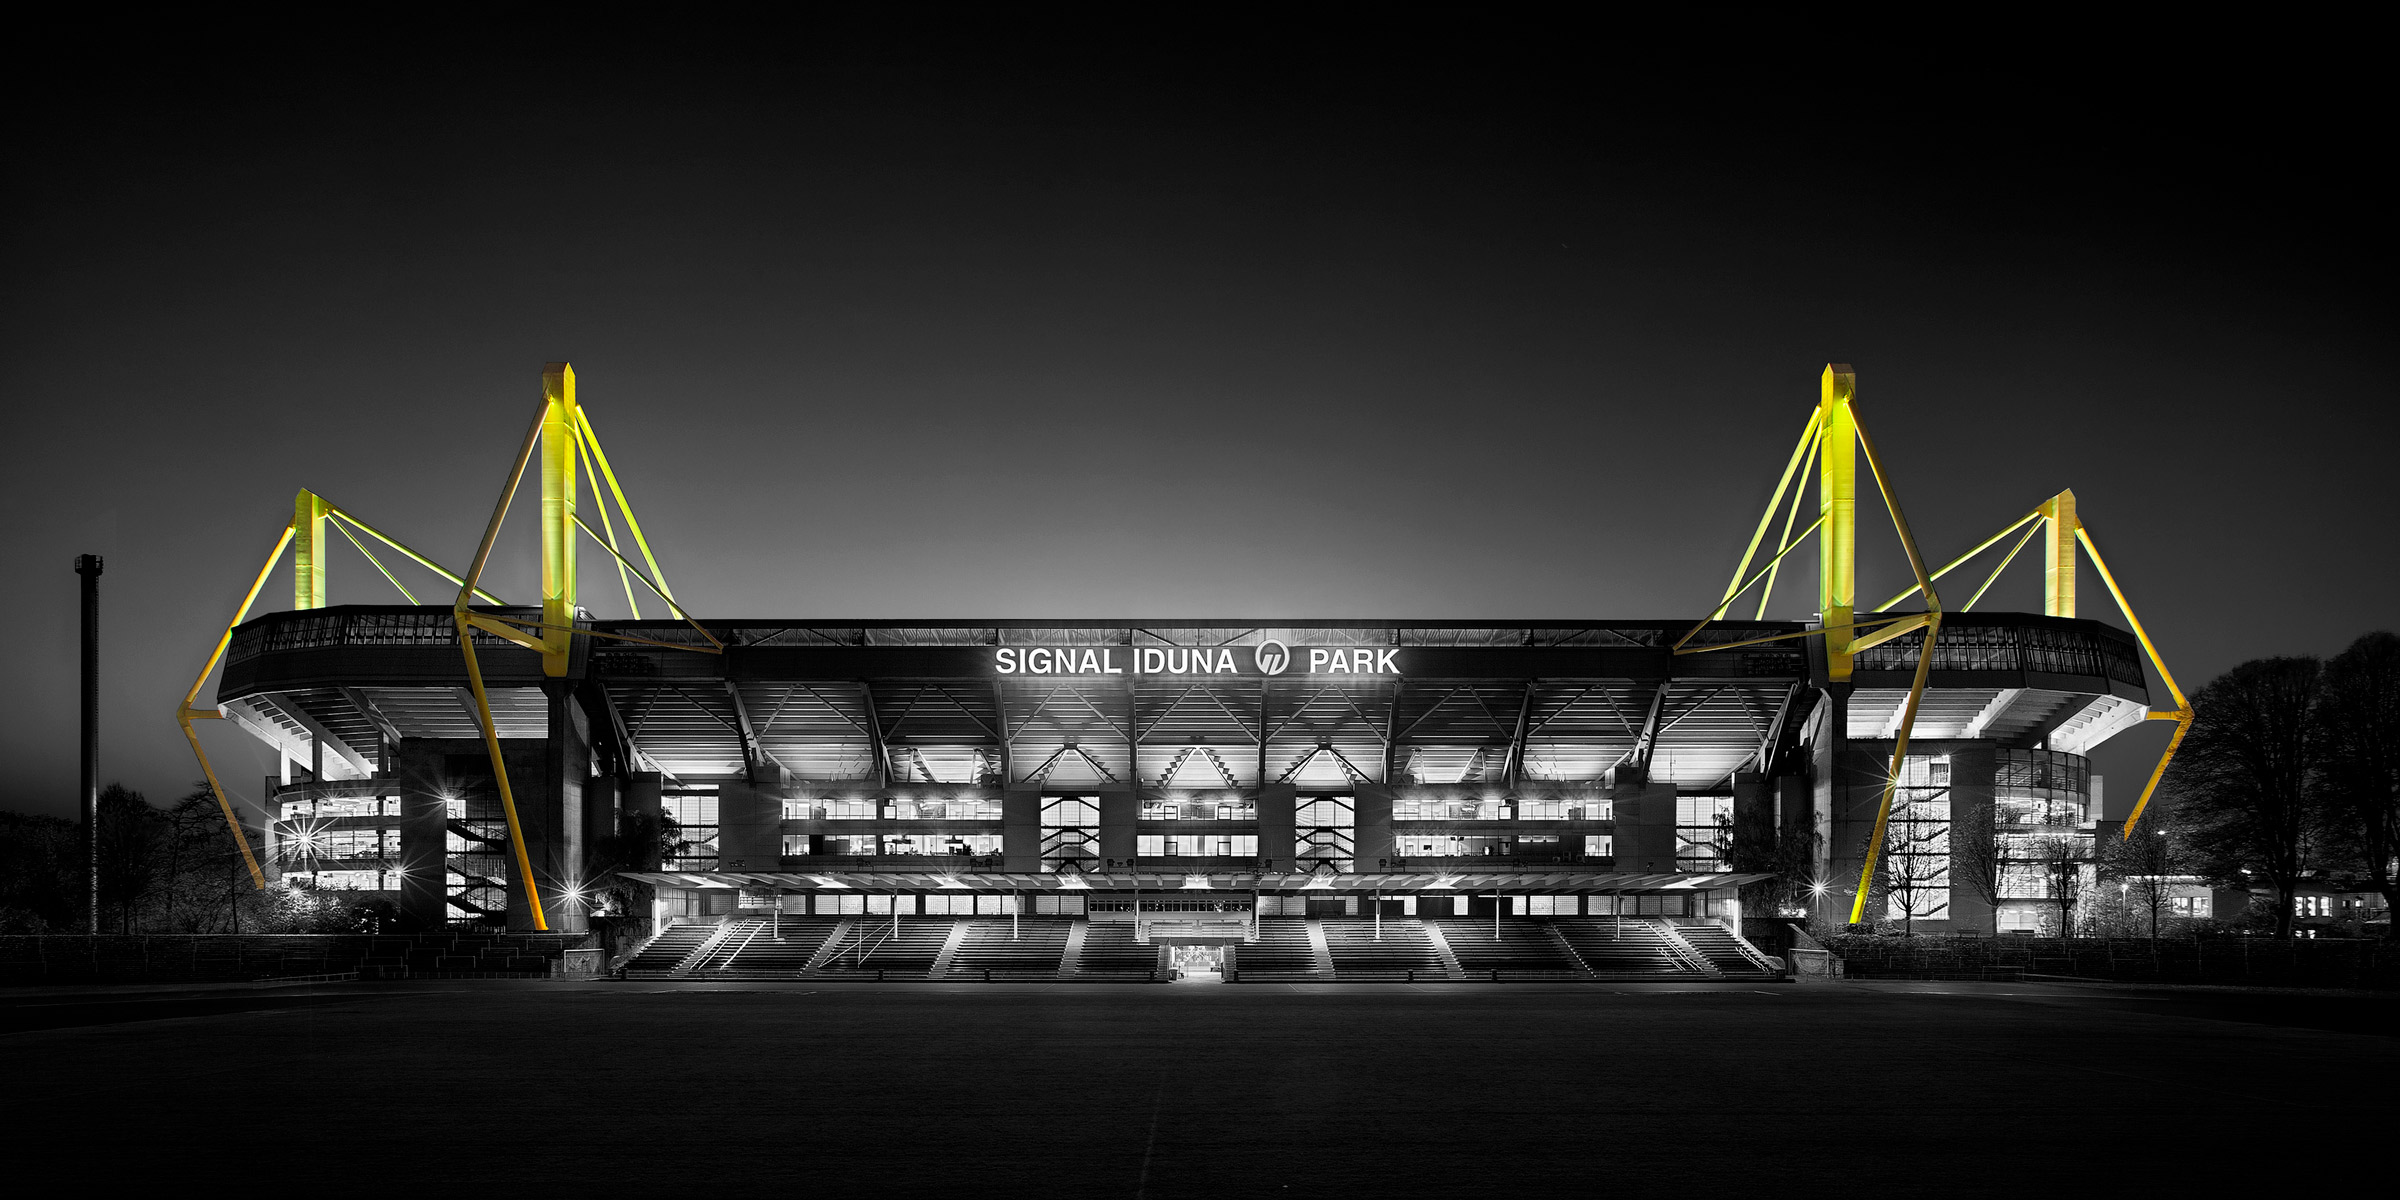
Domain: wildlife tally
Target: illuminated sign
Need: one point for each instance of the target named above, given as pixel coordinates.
(1269, 657)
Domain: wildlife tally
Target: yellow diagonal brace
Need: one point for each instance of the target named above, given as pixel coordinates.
(624, 575)
(508, 799)
(1730, 597)
(1961, 560)
(1898, 628)
(677, 609)
(1891, 504)
(344, 530)
(1994, 577)
(2182, 716)
(1808, 440)
(336, 510)
(1805, 633)
(464, 619)
(184, 712)
(592, 438)
(1891, 783)
(594, 633)
(1799, 497)
(487, 624)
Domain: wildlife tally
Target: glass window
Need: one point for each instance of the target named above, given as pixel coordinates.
(1070, 831)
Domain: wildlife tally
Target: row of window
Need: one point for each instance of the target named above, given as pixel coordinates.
(1238, 845)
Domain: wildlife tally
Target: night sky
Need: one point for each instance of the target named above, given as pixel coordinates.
(1045, 318)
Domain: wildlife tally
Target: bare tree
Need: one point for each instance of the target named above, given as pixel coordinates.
(2146, 864)
(2062, 861)
(131, 851)
(2362, 744)
(2248, 780)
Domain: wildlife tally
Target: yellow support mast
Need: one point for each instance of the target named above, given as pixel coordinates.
(1837, 512)
(1834, 439)
(308, 549)
(2059, 532)
(560, 422)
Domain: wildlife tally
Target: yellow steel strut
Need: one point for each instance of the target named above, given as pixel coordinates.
(185, 713)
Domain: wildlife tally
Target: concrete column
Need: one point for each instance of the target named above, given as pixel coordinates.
(1753, 819)
(1373, 837)
(554, 837)
(1276, 836)
(1645, 823)
(420, 766)
(600, 794)
(1021, 828)
(1971, 833)
(1119, 809)
(750, 824)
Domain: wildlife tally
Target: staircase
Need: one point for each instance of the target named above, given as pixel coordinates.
(1722, 948)
(941, 961)
(1284, 953)
(1318, 949)
(833, 945)
(675, 949)
(1442, 951)
(1072, 961)
(1693, 960)
(1567, 948)
(1403, 951)
(997, 950)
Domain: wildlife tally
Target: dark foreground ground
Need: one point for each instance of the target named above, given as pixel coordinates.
(1889, 1089)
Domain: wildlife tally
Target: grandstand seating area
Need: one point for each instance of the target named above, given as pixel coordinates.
(1722, 950)
(1109, 952)
(1403, 953)
(1521, 947)
(668, 949)
(1282, 952)
(750, 946)
(1029, 948)
(1035, 948)
(1617, 948)
(904, 953)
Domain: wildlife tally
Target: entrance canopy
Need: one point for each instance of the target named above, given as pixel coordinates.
(1508, 883)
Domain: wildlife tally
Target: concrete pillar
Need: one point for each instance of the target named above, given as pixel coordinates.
(1373, 837)
(750, 824)
(600, 820)
(420, 765)
(1645, 823)
(553, 817)
(1021, 828)
(1753, 821)
(1119, 809)
(1830, 735)
(1971, 833)
(1277, 840)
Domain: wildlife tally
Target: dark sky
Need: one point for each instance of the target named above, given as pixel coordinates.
(1023, 318)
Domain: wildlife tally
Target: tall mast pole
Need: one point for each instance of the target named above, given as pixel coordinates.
(88, 566)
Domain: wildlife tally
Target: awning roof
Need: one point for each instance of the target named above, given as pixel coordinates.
(1512, 883)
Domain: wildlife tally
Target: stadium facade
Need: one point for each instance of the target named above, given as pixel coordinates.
(1537, 798)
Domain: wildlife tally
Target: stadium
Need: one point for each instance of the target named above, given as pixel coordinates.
(1207, 797)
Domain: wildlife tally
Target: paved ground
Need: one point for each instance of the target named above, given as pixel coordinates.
(1197, 1091)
